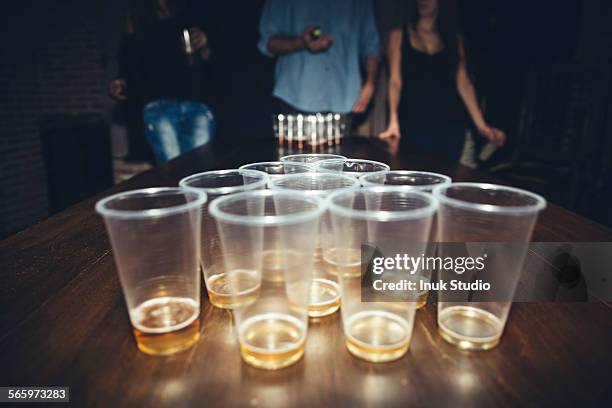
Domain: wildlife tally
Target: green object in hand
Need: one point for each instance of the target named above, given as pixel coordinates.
(316, 33)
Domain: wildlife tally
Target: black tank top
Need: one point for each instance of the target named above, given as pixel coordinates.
(429, 98)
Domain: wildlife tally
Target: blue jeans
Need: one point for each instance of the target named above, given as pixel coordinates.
(174, 127)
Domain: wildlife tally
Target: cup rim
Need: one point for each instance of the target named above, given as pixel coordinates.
(386, 167)
(330, 156)
(539, 205)
(272, 184)
(101, 205)
(264, 220)
(263, 163)
(227, 189)
(423, 187)
(383, 215)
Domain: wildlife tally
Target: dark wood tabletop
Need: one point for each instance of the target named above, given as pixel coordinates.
(63, 322)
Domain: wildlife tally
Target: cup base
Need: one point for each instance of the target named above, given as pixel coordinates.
(324, 298)
(166, 325)
(469, 328)
(233, 289)
(265, 362)
(377, 336)
(376, 355)
(166, 344)
(272, 341)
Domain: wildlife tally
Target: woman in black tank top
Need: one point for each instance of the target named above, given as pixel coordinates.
(431, 97)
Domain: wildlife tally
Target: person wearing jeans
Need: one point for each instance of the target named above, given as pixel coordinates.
(164, 75)
(175, 127)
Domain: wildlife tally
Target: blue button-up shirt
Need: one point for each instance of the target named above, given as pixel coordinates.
(329, 81)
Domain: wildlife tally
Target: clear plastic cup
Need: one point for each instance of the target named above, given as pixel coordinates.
(351, 167)
(216, 184)
(325, 291)
(393, 221)
(493, 222)
(272, 327)
(275, 169)
(422, 181)
(155, 236)
(310, 158)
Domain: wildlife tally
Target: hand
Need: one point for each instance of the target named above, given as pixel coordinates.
(116, 89)
(199, 40)
(494, 135)
(367, 91)
(393, 145)
(319, 45)
(392, 133)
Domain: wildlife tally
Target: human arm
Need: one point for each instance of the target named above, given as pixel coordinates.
(117, 87)
(468, 95)
(394, 55)
(369, 50)
(274, 28)
(369, 86)
(281, 44)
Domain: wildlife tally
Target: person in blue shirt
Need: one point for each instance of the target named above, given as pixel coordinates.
(320, 47)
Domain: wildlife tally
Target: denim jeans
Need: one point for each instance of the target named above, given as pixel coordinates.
(174, 127)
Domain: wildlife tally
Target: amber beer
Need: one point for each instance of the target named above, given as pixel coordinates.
(272, 330)
(166, 325)
(484, 328)
(346, 261)
(233, 289)
(155, 236)
(272, 340)
(377, 336)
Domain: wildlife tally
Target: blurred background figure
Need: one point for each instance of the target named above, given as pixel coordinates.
(164, 78)
(430, 93)
(390, 14)
(321, 45)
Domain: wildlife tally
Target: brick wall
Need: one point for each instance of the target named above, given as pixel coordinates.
(50, 64)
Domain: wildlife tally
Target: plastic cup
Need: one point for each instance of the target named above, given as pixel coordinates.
(277, 169)
(422, 181)
(325, 292)
(155, 237)
(272, 327)
(310, 158)
(490, 221)
(393, 221)
(351, 167)
(216, 184)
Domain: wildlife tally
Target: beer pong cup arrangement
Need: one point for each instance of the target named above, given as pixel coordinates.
(316, 130)
(281, 242)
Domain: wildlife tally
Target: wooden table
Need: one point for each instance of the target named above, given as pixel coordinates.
(63, 322)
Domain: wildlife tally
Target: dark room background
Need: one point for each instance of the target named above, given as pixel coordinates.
(542, 68)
